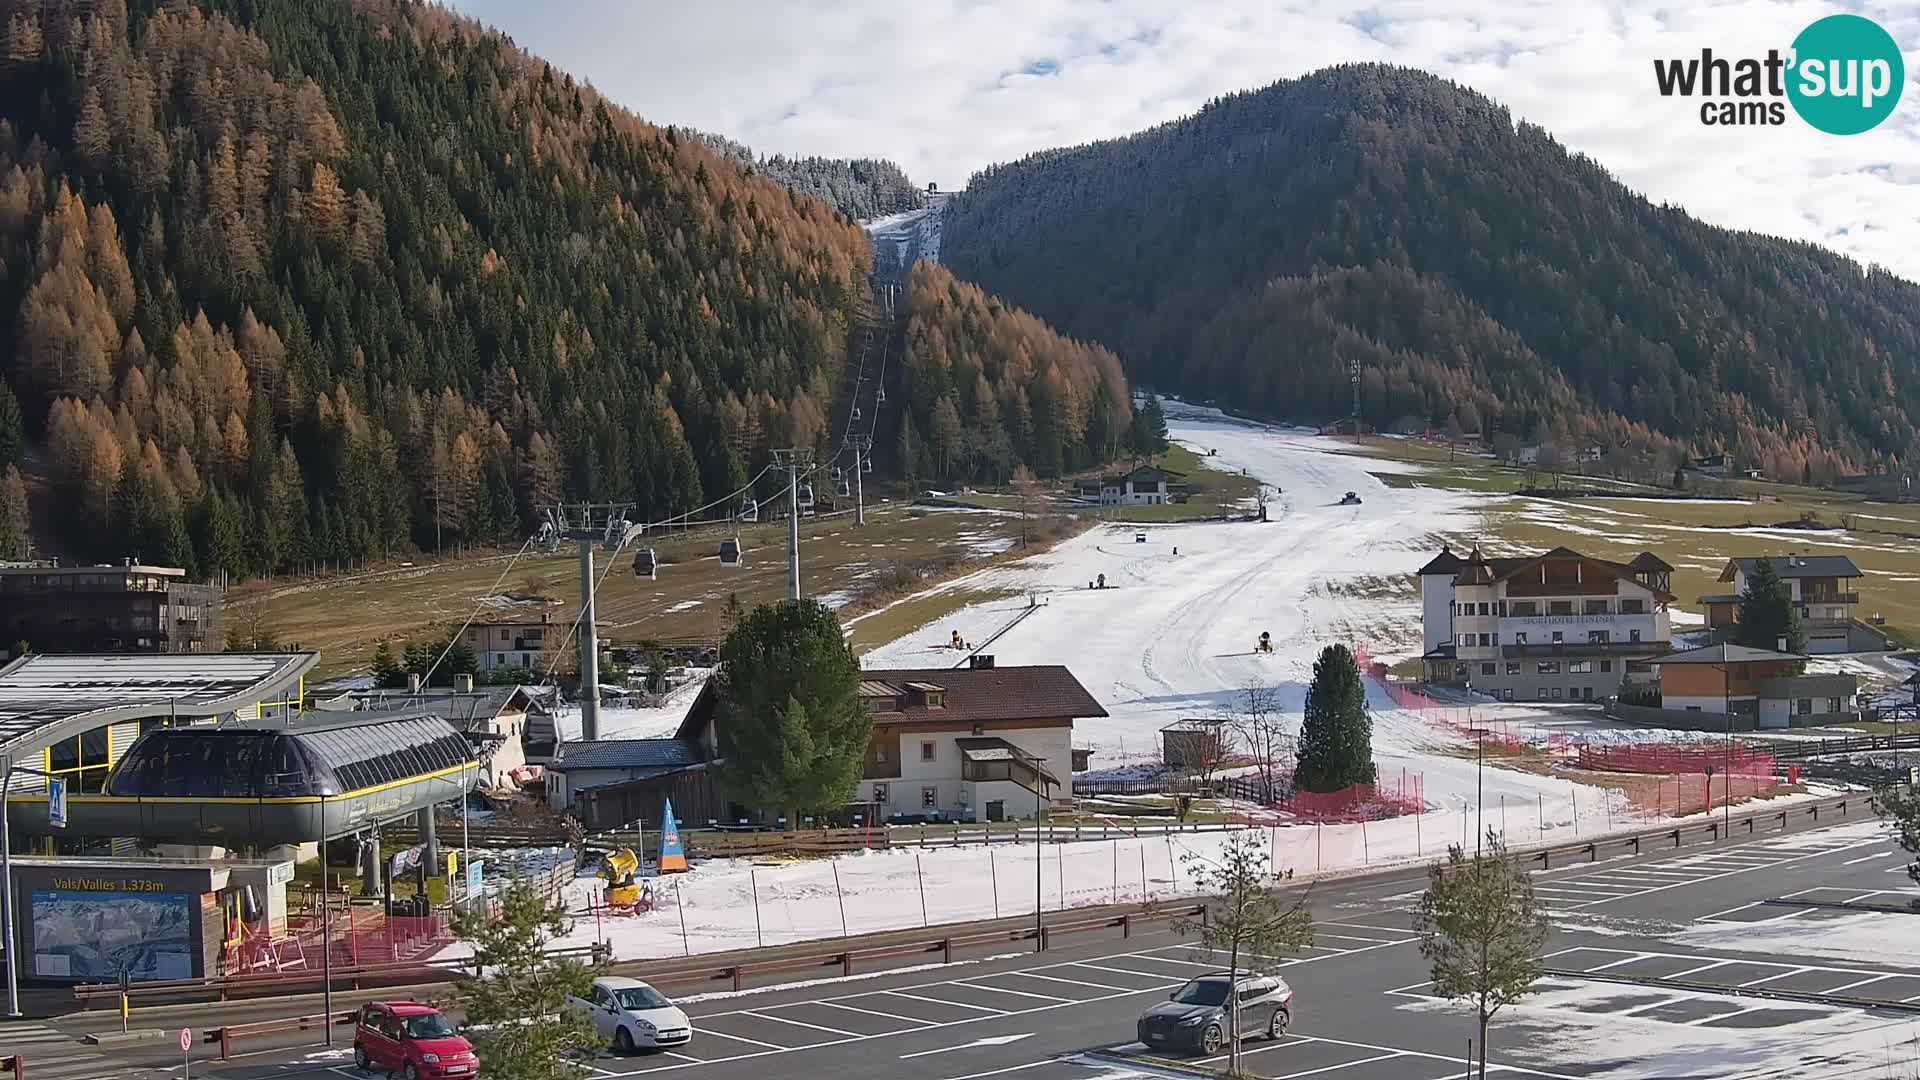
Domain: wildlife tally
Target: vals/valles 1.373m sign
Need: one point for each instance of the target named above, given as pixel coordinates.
(1843, 75)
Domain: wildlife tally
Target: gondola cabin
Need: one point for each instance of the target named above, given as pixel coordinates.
(866, 464)
(645, 565)
(841, 488)
(750, 510)
(856, 412)
(805, 497)
(730, 551)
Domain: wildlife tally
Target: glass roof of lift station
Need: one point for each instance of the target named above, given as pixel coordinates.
(310, 757)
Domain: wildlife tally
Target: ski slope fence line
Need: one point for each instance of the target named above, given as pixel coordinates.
(1371, 802)
(729, 904)
(1457, 720)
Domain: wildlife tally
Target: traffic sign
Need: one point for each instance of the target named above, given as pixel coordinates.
(186, 1040)
(56, 802)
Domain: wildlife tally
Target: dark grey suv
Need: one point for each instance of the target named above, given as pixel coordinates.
(1195, 1016)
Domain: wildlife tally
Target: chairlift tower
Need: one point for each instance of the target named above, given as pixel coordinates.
(862, 448)
(588, 523)
(793, 460)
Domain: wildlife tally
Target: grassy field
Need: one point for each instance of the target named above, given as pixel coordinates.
(1697, 536)
(345, 618)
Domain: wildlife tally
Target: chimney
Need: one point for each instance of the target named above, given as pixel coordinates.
(463, 683)
(413, 682)
(1780, 644)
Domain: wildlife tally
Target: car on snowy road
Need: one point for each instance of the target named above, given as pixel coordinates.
(632, 1015)
(1350, 499)
(1194, 1017)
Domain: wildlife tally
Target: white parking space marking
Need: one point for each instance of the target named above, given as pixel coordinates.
(801, 1023)
(874, 1012)
(1857, 982)
(944, 1001)
(713, 1033)
(1342, 1065)
(1073, 982)
(1869, 858)
(995, 988)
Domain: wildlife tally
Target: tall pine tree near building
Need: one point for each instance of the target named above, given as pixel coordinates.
(1336, 735)
(1767, 614)
(792, 731)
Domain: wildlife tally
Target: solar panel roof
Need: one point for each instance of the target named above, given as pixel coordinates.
(45, 697)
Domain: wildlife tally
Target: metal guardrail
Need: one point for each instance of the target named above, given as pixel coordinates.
(846, 959)
(1713, 830)
(396, 975)
(441, 972)
(228, 1035)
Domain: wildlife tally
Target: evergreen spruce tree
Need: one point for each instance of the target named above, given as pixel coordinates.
(791, 727)
(516, 1008)
(1336, 735)
(1767, 614)
(387, 672)
(1150, 428)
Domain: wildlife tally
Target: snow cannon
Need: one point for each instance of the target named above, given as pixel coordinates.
(619, 868)
(1266, 642)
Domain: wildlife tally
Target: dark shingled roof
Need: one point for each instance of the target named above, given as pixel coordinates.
(1034, 692)
(1444, 563)
(1798, 566)
(626, 754)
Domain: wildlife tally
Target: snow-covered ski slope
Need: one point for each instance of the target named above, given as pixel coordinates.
(1172, 636)
(900, 240)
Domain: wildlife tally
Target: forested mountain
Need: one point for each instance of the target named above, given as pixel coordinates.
(990, 387)
(1475, 270)
(287, 280)
(861, 188)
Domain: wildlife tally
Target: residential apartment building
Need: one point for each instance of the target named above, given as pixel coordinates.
(520, 643)
(1555, 627)
(124, 608)
(1761, 685)
(1820, 587)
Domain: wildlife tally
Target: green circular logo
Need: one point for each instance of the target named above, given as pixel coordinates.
(1846, 74)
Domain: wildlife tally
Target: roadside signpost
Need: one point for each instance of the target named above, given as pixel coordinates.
(186, 1051)
(56, 802)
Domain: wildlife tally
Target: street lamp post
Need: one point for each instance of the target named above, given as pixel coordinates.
(326, 927)
(1479, 773)
(1039, 860)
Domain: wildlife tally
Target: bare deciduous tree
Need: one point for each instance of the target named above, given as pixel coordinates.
(1252, 924)
(1256, 719)
(1482, 930)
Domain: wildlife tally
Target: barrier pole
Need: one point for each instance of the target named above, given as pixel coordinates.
(680, 904)
(993, 874)
(920, 876)
(842, 897)
(753, 882)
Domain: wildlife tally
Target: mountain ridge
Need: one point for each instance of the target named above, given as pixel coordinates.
(1207, 252)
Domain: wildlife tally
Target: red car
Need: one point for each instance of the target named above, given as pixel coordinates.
(412, 1040)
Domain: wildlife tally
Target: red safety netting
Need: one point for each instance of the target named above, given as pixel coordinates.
(1670, 758)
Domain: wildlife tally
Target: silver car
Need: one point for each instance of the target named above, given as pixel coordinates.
(1194, 1017)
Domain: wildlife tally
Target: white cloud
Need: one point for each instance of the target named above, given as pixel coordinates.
(945, 87)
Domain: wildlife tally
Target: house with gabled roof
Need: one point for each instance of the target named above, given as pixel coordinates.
(1820, 587)
(1557, 626)
(977, 743)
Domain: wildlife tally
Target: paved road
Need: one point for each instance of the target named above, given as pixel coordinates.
(1364, 1012)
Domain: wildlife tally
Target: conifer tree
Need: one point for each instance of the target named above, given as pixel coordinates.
(1336, 734)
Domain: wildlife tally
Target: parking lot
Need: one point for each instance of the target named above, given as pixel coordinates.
(728, 1032)
(1606, 883)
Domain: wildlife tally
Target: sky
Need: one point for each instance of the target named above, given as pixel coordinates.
(946, 87)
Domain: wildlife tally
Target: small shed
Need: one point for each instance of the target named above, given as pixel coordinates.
(1196, 744)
